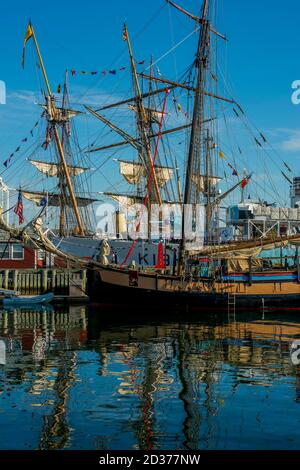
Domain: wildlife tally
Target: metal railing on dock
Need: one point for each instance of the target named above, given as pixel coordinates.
(62, 282)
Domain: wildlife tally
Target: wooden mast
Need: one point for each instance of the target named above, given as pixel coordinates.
(207, 189)
(143, 118)
(58, 140)
(196, 124)
(61, 178)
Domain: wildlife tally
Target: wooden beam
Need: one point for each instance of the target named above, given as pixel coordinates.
(130, 100)
(128, 139)
(151, 136)
(186, 87)
(119, 144)
(196, 18)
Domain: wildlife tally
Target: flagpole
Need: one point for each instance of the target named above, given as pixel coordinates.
(41, 60)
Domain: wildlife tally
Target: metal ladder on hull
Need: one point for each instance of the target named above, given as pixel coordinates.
(231, 304)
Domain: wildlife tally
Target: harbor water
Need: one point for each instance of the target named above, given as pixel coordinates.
(93, 378)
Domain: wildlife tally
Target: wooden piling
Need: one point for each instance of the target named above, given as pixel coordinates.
(62, 282)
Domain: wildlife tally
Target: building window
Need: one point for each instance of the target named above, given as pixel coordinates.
(17, 251)
(4, 251)
(13, 251)
(41, 255)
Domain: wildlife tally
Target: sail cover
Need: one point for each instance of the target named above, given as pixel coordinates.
(54, 200)
(201, 181)
(152, 115)
(134, 172)
(163, 175)
(61, 114)
(125, 200)
(53, 169)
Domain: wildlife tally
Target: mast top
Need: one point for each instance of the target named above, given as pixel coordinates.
(198, 20)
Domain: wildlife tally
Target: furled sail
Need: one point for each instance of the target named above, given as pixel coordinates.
(134, 172)
(201, 181)
(54, 200)
(61, 114)
(163, 174)
(244, 249)
(152, 115)
(53, 169)
(125, 200)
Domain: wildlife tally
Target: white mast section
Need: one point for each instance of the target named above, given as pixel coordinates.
(4, 200)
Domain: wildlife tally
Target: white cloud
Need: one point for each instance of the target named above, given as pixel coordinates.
(292, 142)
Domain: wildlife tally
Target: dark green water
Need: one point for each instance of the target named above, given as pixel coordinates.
(75, 379)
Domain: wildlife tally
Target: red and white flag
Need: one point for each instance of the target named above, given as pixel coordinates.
(18, 210)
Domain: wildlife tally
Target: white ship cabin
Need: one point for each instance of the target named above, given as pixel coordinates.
(253, 219)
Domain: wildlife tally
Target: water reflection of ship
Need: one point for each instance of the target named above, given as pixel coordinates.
(152, 358)
(258, 351)
(41, 332)
(53, 326)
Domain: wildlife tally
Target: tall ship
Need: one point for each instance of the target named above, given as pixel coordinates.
(64, 198)
(221, 246)
(232, 272)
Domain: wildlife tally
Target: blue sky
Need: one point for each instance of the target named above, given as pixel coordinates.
(262, 56)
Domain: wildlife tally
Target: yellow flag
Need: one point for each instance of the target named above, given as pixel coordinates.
(28, 35)
(179, 107)
(221, 155)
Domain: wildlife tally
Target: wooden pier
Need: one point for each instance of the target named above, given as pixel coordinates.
(68, 285)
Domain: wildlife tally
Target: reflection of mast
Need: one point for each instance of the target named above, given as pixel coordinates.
(53, 114)
(144, 390)
(188, 395)
(146, 434)
(55, 434)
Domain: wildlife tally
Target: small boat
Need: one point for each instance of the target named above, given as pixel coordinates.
(32, 308)
(13, 299)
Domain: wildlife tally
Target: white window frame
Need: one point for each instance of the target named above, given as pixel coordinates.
(5, 247)
(10, 249)
(12, 252)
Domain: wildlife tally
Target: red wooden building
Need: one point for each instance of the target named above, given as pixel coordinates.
(13, 255)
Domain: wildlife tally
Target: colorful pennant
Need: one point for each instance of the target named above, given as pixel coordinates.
(23, 141)
(234, 172)
(105, 71)
(245, 181)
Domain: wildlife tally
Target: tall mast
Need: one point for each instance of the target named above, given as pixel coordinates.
(208, 188)
(193, 163)
(143, 119)
(60, 149)
(60, 174)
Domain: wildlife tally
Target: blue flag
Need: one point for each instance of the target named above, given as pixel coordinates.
(44, 201)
